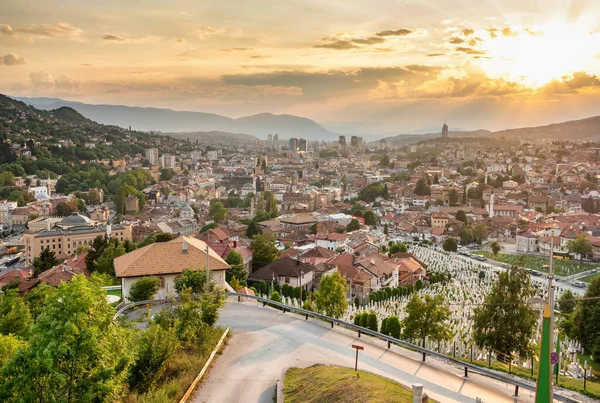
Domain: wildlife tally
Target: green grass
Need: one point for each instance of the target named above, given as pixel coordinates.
(331, 384)
(114, 292)
(588, 279)
(562, 267)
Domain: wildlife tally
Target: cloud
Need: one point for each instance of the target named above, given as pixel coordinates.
(398, 32)
(456, 41)
(369, 41)
(436, 54)
(51, 30)
(325, 84)
(468, 32)
(205, 32)
(493, 32)
(110, 37)
(12, 59)
(7, 30)
(128, 39)
(42, 81)
(338, 45)
(509, 32)
(469, 51)
(570, 84)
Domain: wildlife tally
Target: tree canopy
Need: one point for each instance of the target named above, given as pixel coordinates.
(330, 299)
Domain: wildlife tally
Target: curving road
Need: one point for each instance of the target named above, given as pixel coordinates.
(265, 341)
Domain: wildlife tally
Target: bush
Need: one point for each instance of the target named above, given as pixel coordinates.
(275, 297)
(384, 326)
(393, 326)
(372, 322)
(356, 302)
(357, 319)
(263, 287)
(418, 285)
(277, 288)
(363, 319)
(144, 289)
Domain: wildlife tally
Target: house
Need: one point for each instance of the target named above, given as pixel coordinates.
(166, 260)
(331, 241)
(286, 271)
(439, 220)
(527, 241)
(63, 272)
(297, 221)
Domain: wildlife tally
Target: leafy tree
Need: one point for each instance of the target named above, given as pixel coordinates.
(76, 352)
(270, 204)
(36, 298)
(421, 188)
(210, 303)
(95, 250)
(15, 317)
(164, 237)
(479, 233)
(105, 263)
(461, 216)
(372, 321)
(505, 322)
(580, 246)
(496, 247)
(370, 218)
(46, 260)
(208, 227)
(426, 317)
(481, 275)
(9, 345)
(331, 296)
(144, 289)
(436, 179)
(450, 245)
(453, 198)
(567, 302)
(155, 347)
(236, 261)
(261, 216)
(587, 319)
(419, 285)
(218, 212)
(253, 229)
(354, 225)
(264, 250)
(192, 279)
(393, 327)
(166, 174)
(386, 229)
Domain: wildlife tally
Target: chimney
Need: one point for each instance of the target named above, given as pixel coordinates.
(184, 247)
(235, 244)
(372, 261)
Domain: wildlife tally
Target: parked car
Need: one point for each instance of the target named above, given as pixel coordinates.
(579, 284)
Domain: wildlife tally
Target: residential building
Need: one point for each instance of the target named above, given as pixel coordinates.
(152, 156)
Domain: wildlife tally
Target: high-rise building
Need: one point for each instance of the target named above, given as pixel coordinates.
(167, 161)
(445, 131)
(302, 146)
(342, 142)
(270, 139)
(294, 144)
(152, 156)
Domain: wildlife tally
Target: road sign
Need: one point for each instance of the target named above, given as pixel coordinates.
(358, 347)
(553, 357)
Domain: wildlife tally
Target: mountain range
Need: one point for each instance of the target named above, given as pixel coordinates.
(167, 120)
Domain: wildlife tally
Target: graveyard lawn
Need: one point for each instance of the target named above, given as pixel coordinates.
(562, 267)
(322, 383)
(588, 279)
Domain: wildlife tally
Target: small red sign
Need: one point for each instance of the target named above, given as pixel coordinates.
(358, 347)
(553, 357)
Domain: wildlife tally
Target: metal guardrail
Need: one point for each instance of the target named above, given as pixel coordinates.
(361, 330)
(111, 287)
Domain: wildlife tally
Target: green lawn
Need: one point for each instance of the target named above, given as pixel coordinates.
(114, 292)
(562, 267)
(588, 279)
(330, 384)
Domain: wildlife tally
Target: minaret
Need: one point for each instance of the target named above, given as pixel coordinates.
(49, 190)
(252, 207)
(108, 228)
(491, 208)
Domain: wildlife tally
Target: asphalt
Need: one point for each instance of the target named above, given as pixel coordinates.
(266, 341)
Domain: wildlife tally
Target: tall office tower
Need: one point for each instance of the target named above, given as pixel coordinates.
(445, 131)
(168, 161)
(152, 156)
(270, 139)
(302, 146)
(294, 144)
(342, 142)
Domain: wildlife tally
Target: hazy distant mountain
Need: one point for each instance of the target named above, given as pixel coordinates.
(167, 120)
(215, 138)
(405, 139)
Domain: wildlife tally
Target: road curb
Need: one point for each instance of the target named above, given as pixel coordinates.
(204, 368)
(280, 396)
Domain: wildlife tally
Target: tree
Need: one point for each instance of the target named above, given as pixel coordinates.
(105, 263)
(567, 303)
(580, 246)
(354, 225)
(587, 319)
(275, 297)
(436, 179)
(370, 218)
(496, 247)
(210, 303)
(164, 237)
(63, 209)
(15, 317)
(393, 327)
(9, 345)
(217, 211)
(46, 260)
(450, 245)
(372, 321)
(331, 296)
(386, 230)
(95, 250)
(155, 346)
(505, 322)
(465, 234)
(195, 280)
(426, 317)
(461, 216)
(453, 198)
(253, 229)
(236, 261)
(144, 289)
(264, 250)
(421, 188)
(208, 227)
(166, 174)
(87, 362)
(479, 233)
(271, 204)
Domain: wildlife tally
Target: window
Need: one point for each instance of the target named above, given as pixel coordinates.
(287, 280)
(162, 282)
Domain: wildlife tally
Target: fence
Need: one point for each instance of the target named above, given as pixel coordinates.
(518, 384)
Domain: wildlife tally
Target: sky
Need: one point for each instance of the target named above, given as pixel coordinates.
(368, 66)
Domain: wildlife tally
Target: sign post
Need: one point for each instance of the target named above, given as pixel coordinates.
(357, 347)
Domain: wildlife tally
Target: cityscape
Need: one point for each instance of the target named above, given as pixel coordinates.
(397, 203)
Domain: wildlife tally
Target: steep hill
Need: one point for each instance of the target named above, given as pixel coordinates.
(167, 120)
(215, 138)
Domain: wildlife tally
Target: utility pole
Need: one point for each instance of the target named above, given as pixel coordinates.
(207, 284)
(551, 299)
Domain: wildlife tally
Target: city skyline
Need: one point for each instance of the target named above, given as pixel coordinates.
(384, 68)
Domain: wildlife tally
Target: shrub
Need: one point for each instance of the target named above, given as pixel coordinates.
(356, 302)
(372, 322)
(363, 319)
(298, 293)
(275, 297)
(277, 288)
(418, 285)
(144, 289)
(263, 287)
(393, 326)
(384, 326)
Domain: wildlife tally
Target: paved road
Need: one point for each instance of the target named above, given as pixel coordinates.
(265, 341)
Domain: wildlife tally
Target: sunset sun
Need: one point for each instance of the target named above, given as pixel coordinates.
(536, 56)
